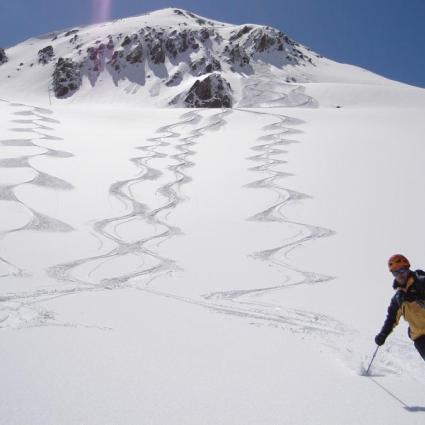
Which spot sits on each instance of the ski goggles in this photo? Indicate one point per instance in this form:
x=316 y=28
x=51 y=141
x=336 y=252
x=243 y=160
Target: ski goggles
x=400 y=271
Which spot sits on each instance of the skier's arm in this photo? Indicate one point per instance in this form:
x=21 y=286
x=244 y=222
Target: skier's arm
x=392 y=320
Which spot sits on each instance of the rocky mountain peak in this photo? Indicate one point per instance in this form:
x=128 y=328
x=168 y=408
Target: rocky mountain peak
x=170 y=49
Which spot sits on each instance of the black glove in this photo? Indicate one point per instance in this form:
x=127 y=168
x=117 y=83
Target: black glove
x=380 y=339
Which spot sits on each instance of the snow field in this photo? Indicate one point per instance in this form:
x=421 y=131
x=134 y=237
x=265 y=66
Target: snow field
x=204 y=266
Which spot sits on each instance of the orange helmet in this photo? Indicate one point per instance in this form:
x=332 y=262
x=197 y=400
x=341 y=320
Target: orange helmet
x=398 y=261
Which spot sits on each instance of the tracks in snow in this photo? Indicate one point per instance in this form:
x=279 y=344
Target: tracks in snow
x=80 y=275
x=144 y=248
x=35 y=118
x=266 y=90
x=173 y=147
x=37 y=125
x=241 y=302
x=266 y=154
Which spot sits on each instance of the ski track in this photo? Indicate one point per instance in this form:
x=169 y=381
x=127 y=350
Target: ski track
x=36 y=220
x=245 y=303
x=265 y=90
x=239 y=302
x=24 y=309
x=307 y=233
x=122 y=191
x=26 y=313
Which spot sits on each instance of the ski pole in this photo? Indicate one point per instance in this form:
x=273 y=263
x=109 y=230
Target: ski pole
x=373 y=358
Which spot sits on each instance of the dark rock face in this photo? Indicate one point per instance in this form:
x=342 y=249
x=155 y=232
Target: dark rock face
x=135 y=55
x=92 y=53
x=180 y=41
x=126 y=42
x=238 y=56
x=176 y=43
x=212 y=65
x=110 y=45
x=245 y=30
x=175 y=79
x=66 y=77
x=72 y=32
x=74 y=39
x=212 y=92
x=205 y=34
x=205 y=66
x=116 y=60
x=3 y=56
x=263 y=41
x=45 y=55
x=247 y=43
x=95 y=57
x=157 y=53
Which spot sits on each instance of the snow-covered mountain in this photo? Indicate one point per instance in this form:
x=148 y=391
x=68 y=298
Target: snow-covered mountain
x=170 y=57
x=203 y=266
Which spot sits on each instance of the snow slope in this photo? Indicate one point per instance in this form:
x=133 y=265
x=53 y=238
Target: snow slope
x=209 y=266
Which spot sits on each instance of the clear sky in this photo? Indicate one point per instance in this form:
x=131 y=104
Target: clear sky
x=384 y=36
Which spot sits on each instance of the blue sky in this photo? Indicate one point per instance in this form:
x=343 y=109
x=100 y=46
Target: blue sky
x=384 y=36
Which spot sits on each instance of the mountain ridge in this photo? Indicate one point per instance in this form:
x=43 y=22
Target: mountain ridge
x=164 y=56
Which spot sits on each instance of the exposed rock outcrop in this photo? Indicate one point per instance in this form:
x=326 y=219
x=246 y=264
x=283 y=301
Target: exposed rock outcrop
x=238 y=56
x=3 y=56
x=157 y=53
x=174 y=80
x=238 y=34
x=126 y=42
x=205 y=66
x=116 y=60
x=180 y=41
x=71 y=32
x=110 y=45
x=135 y=55
x=45 y=55
x=66 y=77
x=248 y=43
x=212 y=92
x=95 y=57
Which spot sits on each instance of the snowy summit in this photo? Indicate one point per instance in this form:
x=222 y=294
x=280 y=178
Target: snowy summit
x=168 y=57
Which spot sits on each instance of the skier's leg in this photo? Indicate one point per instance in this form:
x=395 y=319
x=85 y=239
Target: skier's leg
x=420 y=346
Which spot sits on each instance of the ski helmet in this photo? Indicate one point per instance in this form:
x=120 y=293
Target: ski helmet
x=398 y=261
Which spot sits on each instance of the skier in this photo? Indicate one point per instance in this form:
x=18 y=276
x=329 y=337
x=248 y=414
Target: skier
x=408 y=301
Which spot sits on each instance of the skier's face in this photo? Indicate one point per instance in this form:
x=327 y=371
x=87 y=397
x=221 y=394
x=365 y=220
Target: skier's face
x=401 y=275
